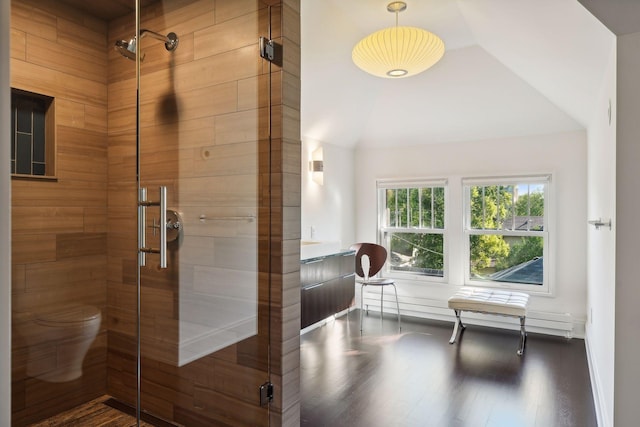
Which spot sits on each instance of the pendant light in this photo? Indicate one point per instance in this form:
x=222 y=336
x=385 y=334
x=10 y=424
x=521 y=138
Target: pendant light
x=397 y=52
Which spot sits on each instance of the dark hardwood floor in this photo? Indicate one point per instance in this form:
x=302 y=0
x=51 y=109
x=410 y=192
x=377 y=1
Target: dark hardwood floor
x=416 y=378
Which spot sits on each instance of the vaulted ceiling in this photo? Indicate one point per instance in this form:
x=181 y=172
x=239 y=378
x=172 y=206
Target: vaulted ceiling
x=511 y=68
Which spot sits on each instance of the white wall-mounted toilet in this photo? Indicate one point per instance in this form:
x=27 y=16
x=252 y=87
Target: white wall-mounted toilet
x=59 y=340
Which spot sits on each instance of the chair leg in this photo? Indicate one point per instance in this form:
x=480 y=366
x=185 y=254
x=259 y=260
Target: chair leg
x=458 y=325
x=397 y=307
x=361 y=303
x=523 y=336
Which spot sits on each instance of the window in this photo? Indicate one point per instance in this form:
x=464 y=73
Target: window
x=32 y=134
x=411 y=219
x=506 y=232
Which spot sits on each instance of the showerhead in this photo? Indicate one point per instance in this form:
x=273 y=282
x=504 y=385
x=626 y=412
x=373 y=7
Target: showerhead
x=128 y=49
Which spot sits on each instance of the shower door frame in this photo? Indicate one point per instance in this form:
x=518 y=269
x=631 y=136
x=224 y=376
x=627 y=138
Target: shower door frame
x=264 y=393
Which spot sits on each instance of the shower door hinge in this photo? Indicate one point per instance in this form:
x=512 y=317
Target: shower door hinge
x=271 y=51
x=266 y=393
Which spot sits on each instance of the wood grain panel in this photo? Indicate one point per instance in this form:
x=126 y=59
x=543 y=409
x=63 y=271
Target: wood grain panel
x=59 y=226
x=250 y=125
x=189 y=134
x=121 y=321
x=61 y=10
x=33 y=248
x=122 y=93
x=18 y=44
x=122 y=121
x=39 y=79
x=71 y=245
x=95 y=118
x=122 y=295
x=18 y=281
x=35 y=219
x=95 y=220
x=229 y=35
x=229 y=66
x=65 y=59
x=47 y=300
x=70 y=113
x=74 y=194
x=33 y=20
x=89 y=270
x=181 y=16
x=217 y=160
x=92 y=33
x=251 y=93
x=226 y=10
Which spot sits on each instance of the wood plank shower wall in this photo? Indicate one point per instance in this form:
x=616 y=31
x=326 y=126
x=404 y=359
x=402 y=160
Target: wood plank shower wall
x=73 y=238
x=59 y=233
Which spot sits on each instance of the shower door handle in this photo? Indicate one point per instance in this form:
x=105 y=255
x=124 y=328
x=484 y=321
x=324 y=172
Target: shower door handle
x=143 y=203
x=163 y=227
x=142 y=226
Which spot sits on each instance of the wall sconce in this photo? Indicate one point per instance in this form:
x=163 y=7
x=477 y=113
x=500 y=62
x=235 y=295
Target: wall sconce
x=316 y=166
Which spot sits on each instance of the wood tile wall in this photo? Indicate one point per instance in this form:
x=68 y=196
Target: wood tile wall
x=205 y=122
x=59 y=241
x=75 y=238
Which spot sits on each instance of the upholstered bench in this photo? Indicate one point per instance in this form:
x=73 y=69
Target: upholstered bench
x=490 y=301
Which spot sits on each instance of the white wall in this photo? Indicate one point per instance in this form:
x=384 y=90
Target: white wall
x=601 y=252
x=627 y=275
x=564 y=155
x=328 y=208
x=5 y=224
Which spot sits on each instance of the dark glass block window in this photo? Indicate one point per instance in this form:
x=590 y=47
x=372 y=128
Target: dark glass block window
x=28 y=132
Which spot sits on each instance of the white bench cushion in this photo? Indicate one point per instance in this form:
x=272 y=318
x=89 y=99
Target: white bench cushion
x=490 y=301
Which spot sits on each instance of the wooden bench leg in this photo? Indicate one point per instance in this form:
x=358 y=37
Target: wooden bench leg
x=458 y=325
x=523 y=336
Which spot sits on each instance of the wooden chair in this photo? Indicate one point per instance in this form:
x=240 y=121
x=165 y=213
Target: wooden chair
x=377 y=256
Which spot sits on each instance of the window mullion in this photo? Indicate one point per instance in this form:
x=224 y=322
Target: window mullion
x=528 y=207
x=408 y=207
x=484 y=209
x=420 y=210
x=397 y=215
x=433 y=209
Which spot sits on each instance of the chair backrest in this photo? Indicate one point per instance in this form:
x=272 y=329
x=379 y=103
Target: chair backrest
x=377 y=257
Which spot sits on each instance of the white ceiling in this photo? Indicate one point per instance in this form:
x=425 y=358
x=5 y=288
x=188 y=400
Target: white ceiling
x=511 y=68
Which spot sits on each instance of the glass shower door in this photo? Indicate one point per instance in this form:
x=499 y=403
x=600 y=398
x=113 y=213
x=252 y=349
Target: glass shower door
x=203 y=139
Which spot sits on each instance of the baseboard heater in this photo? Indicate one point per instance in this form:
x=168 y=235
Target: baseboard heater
x=558 y=324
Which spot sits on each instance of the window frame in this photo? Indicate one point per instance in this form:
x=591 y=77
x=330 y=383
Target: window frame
x=546 y=233
x=384 y=232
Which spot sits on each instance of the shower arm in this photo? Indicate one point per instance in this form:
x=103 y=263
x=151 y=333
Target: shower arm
x=170 y=40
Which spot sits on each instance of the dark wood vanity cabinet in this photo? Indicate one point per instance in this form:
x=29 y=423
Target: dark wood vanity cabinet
x=327 y=286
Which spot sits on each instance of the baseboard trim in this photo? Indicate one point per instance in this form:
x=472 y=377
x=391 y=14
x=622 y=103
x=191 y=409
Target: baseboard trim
x=602 y=416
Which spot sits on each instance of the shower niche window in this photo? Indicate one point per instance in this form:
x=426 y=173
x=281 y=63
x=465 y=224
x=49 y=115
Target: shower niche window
x=32 y=134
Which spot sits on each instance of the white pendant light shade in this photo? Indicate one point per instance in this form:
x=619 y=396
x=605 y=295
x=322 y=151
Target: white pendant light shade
x=398 y=51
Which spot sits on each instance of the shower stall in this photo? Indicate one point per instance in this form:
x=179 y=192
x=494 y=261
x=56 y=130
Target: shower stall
x=147 y=235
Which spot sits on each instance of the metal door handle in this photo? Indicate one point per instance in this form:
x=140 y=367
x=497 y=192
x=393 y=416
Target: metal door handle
x=163 y=227
x=143 y=203
x=142 y=226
